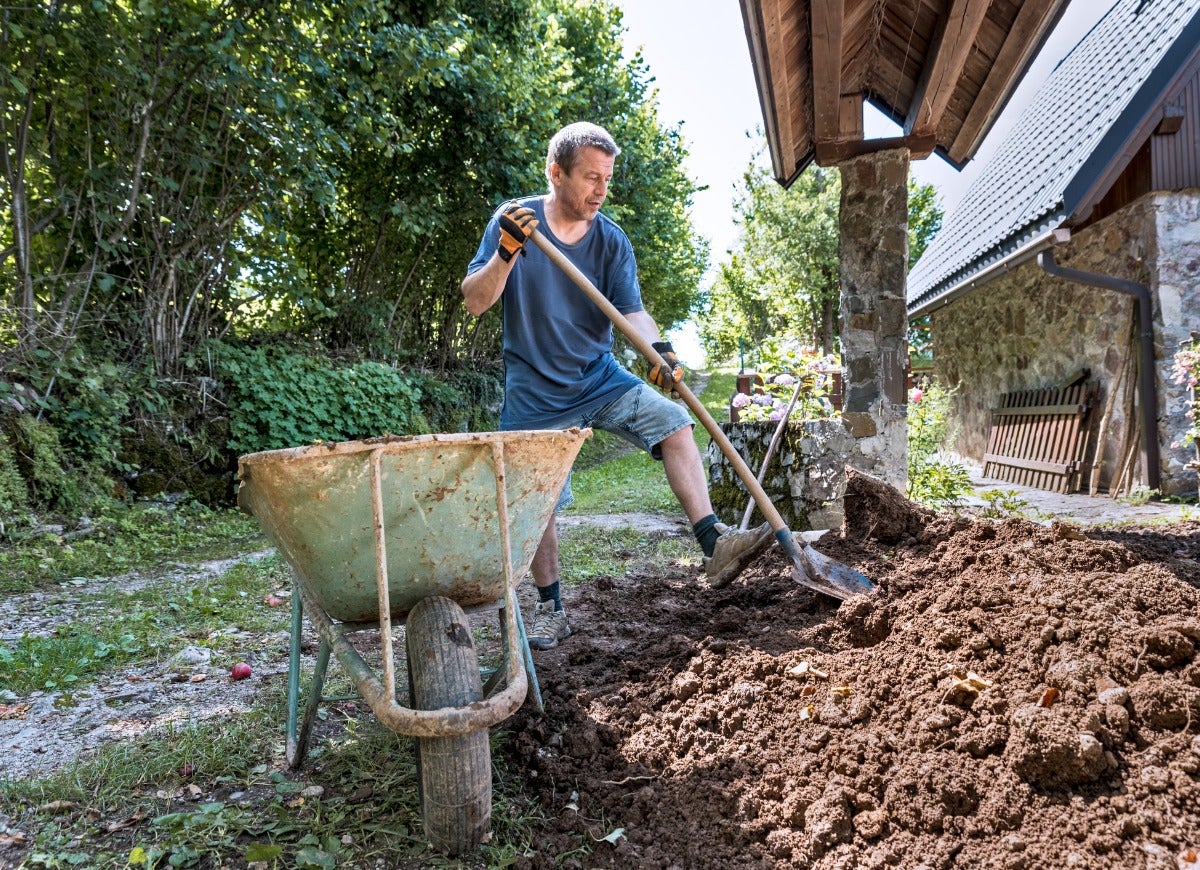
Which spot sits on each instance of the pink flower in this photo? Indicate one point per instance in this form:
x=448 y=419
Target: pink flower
x=741 y=400
x=915 y=394
x=785 y=380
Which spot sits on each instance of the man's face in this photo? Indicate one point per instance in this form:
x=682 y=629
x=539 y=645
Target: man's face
x=582 y=191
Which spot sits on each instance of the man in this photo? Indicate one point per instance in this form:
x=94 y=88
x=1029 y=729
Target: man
x=559 y=368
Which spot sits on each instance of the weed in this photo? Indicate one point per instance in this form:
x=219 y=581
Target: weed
x=1002 y=503
x=1140 y=495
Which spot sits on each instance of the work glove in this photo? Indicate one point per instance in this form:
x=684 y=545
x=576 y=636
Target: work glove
x=516 y=223
x=665 y=377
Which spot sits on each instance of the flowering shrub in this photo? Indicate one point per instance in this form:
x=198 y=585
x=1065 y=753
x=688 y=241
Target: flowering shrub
x=1186 y=372
x=813 y=403
x=933 y=479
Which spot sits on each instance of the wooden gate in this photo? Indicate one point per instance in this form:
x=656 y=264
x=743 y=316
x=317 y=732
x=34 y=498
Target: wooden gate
x=1038 y=436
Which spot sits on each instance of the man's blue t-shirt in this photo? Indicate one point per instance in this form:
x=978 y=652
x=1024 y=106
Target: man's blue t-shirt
x=557 y=344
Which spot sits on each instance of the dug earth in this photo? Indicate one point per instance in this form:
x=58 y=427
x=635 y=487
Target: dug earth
x=1013 y=695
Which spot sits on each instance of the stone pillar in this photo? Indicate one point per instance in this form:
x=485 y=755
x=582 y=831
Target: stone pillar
x=874 y=269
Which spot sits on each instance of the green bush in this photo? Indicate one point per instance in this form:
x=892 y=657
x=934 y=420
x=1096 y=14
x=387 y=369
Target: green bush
x=48 y=480
x=281 y=398
x=87 y=401
x=932 y=480
x=463 y=401
x=14 y=498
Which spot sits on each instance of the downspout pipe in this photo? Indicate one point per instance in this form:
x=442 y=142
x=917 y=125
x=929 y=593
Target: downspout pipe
x=1146 y=366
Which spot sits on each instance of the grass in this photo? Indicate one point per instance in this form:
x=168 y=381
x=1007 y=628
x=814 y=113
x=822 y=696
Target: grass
x=113 y=627
x=123 y=541
x=587 y=554
x=611 y=477
x=219 y=793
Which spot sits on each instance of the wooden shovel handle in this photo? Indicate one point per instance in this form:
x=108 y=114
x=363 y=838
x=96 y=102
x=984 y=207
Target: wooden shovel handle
x=647 y=350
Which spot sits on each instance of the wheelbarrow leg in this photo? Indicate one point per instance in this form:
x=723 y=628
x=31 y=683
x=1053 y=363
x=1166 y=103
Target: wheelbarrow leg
x=535 y=691
x=299 y=731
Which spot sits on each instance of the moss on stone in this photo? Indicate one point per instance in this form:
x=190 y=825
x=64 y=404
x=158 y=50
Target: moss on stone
x=162 y=462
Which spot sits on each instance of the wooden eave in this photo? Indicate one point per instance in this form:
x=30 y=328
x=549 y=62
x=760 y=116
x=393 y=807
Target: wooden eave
x=942 y=69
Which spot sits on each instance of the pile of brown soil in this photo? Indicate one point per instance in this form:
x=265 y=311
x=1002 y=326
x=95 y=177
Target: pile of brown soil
x=1012 y=695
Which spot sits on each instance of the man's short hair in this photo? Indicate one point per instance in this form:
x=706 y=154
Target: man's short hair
x=570 y=140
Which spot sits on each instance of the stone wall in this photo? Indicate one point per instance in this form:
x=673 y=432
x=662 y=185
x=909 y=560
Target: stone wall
x=874 y=263
x=1175 y=254
x=1026 y=330
x=806 y=480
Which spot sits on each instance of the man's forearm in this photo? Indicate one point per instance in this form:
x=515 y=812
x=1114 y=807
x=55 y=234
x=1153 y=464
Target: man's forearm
x=644 y=324
x=481 y=289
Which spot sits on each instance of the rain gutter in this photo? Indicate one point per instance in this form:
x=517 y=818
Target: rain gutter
x=1145 y=323
x=1017 y=258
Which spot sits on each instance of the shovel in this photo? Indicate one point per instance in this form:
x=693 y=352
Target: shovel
x=809 y=568
x=762 y=472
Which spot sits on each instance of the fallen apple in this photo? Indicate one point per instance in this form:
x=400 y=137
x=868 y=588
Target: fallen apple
x=240 y=671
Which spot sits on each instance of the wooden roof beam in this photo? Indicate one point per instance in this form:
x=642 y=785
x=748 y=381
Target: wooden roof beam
x=833 y=153
x=951 y=46
x=1015 y=54
x=763 y=22
x=826 y=23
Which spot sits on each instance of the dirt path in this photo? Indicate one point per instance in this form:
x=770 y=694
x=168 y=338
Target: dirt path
x=45 y=730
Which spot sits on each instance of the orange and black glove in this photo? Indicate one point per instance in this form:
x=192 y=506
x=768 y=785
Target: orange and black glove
x=665 y=377
x=516 y=223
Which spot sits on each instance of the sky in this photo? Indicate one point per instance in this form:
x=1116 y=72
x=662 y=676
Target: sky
x=697 y=52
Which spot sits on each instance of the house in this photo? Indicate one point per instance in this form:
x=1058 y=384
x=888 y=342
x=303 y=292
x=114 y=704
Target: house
x=1077 y=249
x=943 y=70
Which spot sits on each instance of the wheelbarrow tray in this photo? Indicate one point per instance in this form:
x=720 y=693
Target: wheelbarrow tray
x=437 y=497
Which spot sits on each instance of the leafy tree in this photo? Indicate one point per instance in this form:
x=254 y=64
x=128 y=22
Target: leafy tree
x=924 y=221
x=924 y=218
x=176 y=172
x=783 y=279
x=137 y=140
x=462 y=104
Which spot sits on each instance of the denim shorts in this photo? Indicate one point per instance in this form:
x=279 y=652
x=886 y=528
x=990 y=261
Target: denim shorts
x=641 y=415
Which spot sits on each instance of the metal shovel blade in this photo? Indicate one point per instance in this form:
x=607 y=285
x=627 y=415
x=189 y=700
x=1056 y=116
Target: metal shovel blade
x=822 y=574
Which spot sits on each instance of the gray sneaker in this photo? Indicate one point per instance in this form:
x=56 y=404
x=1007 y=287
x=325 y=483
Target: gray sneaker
x=735 y=550
x=549 y=626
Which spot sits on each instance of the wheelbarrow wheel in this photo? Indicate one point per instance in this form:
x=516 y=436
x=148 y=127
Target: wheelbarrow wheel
x=455 y=773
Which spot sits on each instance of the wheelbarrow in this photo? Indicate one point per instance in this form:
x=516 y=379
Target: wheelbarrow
x=417 y=531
